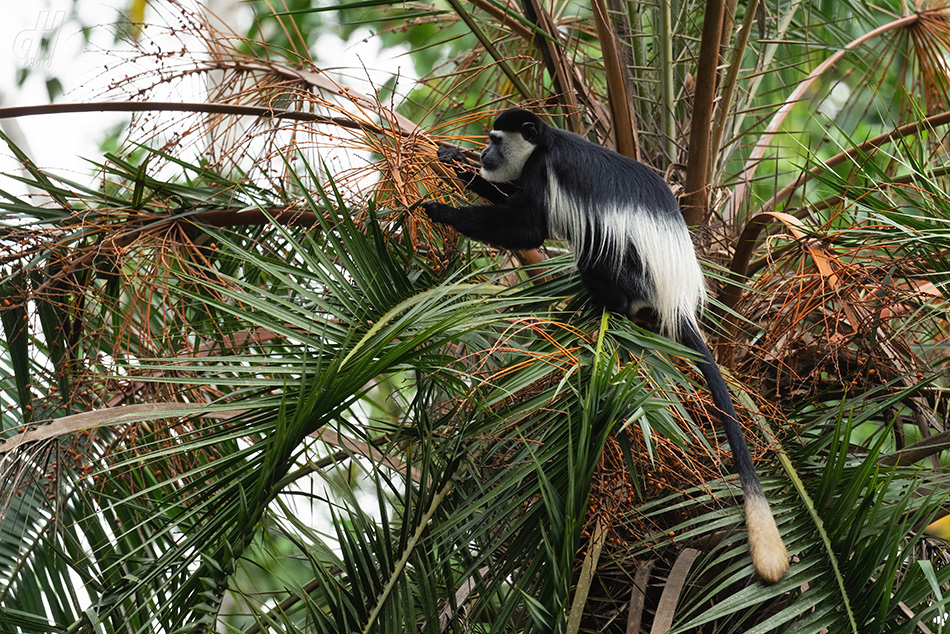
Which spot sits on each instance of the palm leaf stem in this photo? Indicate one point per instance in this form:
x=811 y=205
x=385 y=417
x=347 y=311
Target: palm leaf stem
x=526 y=93
x=172 y=106
x=667 y=88
x=809 y=505
x=730 y=83
x=695 y=202
x=623 y=120
x=597 y=540
x=556 y=63
x=396 y=573
x=763 y=141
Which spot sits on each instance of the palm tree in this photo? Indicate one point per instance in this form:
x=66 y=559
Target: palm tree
x=247 y=387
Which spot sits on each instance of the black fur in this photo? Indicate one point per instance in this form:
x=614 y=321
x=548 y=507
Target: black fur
x=519 y=218
x=600 y=194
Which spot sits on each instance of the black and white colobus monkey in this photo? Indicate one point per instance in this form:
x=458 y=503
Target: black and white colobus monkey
x=632 y=249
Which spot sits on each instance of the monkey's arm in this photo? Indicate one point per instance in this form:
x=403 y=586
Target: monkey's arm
x=467 y=172
x=513 y=225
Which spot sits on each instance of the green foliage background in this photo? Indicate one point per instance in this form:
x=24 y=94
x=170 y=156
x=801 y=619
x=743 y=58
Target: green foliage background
x=246 y=386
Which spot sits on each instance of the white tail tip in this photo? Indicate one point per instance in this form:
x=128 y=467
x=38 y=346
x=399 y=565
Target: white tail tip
x=768 y=552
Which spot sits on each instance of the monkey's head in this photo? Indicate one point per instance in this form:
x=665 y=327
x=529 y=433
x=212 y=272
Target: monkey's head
x=510 y=144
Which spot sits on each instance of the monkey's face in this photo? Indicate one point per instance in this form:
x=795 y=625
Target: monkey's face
x=505 y=156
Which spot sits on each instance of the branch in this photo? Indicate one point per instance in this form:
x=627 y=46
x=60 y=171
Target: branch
x=624 y=129
x=213 y=108
x=730 y=83
x=696 y=198
x=917 y=451
x=545 y=39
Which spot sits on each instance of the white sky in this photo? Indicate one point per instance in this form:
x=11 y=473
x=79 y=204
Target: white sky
x=55 y=141
x=60 y=143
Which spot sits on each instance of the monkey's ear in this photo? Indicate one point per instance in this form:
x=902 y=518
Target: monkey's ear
x=530 y=132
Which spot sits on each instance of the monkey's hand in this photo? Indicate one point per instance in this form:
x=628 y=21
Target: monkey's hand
x=450 y=155
x=438 y=212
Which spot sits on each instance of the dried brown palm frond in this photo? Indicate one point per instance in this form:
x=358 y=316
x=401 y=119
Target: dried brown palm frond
x=834 y=320
x=926 y=43
x=348 y=130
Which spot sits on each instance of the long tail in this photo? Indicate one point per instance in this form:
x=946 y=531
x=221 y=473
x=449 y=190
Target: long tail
x=765 y=543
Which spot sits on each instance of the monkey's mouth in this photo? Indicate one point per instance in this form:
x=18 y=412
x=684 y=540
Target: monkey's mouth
x=488 y=169
x=488 y=163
